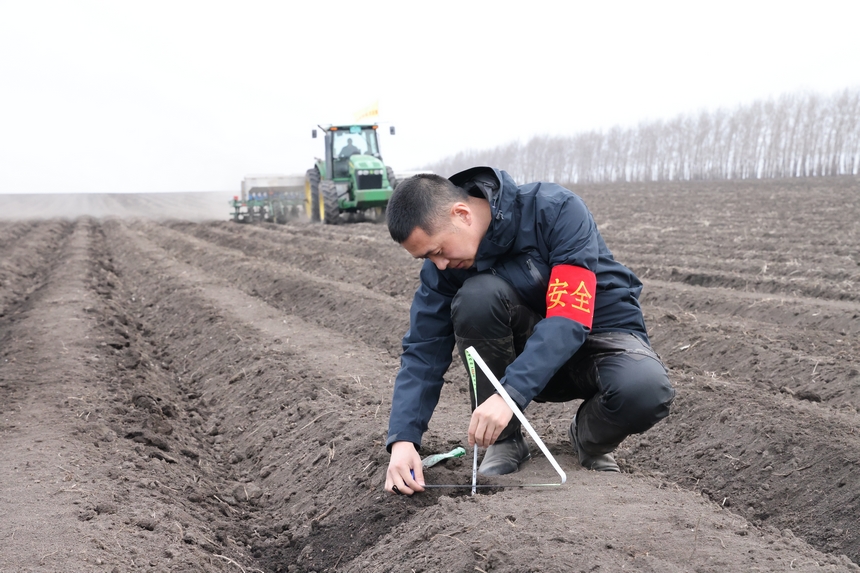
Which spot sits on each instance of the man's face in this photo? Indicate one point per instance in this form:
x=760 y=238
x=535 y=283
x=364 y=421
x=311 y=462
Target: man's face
x=453 y=246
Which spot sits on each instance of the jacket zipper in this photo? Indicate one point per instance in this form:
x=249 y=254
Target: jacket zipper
x=535 y=273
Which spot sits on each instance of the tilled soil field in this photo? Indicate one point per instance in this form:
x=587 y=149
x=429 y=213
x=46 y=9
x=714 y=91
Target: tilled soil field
x=207 y=396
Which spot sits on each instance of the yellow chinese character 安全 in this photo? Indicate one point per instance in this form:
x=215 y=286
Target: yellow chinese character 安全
x=582 y=297
x=555 y=292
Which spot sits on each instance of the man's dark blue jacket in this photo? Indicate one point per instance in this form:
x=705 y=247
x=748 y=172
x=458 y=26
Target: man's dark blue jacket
x=534 y=227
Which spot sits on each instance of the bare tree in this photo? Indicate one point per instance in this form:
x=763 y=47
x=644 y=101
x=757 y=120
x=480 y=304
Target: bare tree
x=796 y=135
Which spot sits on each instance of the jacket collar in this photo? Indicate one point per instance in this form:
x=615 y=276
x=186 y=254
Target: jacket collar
x=499 y=188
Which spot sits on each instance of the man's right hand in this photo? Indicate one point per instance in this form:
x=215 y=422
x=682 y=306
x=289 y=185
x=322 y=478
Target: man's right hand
x=399 y=478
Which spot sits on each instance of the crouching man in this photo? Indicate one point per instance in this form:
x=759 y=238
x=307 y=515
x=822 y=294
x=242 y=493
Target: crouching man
x=522 y=274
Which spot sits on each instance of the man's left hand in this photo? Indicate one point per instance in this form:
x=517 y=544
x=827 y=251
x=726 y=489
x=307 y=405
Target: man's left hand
x=488 y=421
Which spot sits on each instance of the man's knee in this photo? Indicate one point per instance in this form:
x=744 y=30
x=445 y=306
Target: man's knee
x=642 y=394
x=481 y=308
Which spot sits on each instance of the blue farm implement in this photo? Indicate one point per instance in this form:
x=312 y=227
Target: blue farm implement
x=268 y=198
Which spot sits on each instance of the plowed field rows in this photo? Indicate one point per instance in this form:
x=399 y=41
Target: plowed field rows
x=206 y=396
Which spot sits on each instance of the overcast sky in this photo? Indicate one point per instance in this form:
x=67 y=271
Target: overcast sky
x=121 y=96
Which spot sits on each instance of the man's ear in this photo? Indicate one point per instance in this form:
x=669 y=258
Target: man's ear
x=461 y=211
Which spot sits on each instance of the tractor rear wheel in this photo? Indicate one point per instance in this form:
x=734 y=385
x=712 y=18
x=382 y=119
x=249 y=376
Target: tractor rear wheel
x=312 y=195
x=330 y=211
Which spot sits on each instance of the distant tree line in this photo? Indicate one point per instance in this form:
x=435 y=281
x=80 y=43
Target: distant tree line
x=798 y=135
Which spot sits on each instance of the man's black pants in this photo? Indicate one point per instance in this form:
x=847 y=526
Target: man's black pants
x=623 y=383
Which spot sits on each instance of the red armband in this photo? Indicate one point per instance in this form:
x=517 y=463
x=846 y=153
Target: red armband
x=571 y=294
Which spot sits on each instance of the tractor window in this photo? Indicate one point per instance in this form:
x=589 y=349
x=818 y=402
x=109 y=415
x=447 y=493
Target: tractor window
x=346 y=144
x=370 y=142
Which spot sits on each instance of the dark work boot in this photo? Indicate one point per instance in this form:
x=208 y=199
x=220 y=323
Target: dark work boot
x=598 y=462
x=505 y=457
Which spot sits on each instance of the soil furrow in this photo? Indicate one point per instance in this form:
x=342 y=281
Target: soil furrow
x=838 y=317
x=815 y=286
x=313 y=536
x=46 y=468
x=714 y=334
x=370 y=315
x=69 y=498
x=767 y=405
x=382 y=267
x=775 y=460
x=32 y=251
x=14 y=233
x=214 y=397
x=834 y=273
x=803 y=347
x=242 y=352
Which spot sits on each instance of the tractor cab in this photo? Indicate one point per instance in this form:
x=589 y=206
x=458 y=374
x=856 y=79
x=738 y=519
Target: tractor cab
x=345 y=141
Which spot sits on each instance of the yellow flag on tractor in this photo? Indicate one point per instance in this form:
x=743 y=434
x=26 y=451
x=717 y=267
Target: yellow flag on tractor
x=369 y=113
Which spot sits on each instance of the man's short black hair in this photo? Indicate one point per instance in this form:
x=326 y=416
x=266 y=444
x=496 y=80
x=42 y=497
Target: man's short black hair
x=421 y=202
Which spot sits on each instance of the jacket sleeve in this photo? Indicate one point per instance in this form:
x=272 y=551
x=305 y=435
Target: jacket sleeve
x=568 y=234
x=427 y=352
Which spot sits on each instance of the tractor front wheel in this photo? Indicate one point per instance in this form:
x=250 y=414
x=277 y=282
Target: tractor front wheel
x=329 y=209
x=392 y=180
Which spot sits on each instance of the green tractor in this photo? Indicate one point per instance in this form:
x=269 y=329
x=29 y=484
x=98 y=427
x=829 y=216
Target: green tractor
x=351 y=183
